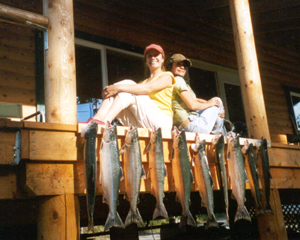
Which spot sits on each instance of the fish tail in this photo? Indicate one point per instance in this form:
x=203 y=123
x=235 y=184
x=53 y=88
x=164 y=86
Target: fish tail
x=134 y=217
x=269 y=209
x=259 y=211
x=212 y=222
x=242 y=214
x=226 y=224
x=227 y=215
x=187 y=219
x=113 y=220
x=91 y=224
x=160 y=210
x=183 y=221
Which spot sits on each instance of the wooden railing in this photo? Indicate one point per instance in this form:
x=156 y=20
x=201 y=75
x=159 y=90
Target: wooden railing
x=52 y=160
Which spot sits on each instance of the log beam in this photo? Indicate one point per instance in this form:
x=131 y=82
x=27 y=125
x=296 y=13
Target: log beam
x=22 y=16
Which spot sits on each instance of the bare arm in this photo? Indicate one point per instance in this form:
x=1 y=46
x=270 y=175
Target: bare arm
x=196 y=105
x=138 y=89
x=200 y=100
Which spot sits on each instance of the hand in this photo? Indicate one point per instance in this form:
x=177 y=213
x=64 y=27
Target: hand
x=214 y=102
x=110 y=91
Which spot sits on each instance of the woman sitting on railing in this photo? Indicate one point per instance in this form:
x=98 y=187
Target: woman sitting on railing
x=193 y=114
x=145 y=105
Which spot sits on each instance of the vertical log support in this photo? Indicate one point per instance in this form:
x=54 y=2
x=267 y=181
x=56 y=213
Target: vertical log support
x=254 y=105
x=58 y=218
x=59 y=215
x=60 y=73
x=251 y=87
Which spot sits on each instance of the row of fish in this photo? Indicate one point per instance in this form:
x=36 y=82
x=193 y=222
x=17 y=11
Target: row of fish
x=111 y=174
x=241 y=170
x=258 y=171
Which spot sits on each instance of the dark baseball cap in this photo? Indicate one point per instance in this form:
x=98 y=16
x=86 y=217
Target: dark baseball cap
x=180 y=58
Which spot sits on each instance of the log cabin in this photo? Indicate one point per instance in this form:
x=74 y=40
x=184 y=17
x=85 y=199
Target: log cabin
x=58 y=55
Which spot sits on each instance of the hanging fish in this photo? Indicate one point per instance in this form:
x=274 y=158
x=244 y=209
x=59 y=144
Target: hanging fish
x=183 y=176
x=264 y=171
x=110 y=175
x=133 y=173
x=218 y=145
x=158 y=172
x=204 y=180
x=90 y=165
x=237 y=175
x=250 y=166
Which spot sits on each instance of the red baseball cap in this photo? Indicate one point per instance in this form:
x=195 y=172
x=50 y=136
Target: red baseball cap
x=156 y=47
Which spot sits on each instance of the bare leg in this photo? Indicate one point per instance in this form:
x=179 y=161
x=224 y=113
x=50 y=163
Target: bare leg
x=104 y=112
x=104 y=109
x=110 y=110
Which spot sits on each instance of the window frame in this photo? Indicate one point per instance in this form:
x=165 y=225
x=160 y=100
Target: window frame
x=223 y=75
x=103 y=49
x=289 y=93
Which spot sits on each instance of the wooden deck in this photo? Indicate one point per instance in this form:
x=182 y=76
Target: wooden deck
x=52 y=160
x=52 y=164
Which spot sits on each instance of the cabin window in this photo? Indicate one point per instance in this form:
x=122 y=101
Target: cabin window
x=203 y=83
x=88 y=74
x=236 y=108
x=208 y=80
x=293 y=100
x=98 y=66
x=123 y=66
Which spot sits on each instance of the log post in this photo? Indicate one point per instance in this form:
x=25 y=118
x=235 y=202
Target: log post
x=58 y=218
x=273 y=226
x=59 y=215
x=251 y=87
x=60 y=73
x=254 y=105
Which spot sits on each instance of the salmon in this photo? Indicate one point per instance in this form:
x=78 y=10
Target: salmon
x=90 y=166
x=157 y=171
x=218 y=145
x=133 y=173
x=183 y=176
x=251 y=171
x=264 y=172
x=237 y=175
x=110 y=175
x=204 y=180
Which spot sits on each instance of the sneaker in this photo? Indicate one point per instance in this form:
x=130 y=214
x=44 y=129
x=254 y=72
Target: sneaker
x=97 y=121
x=92 y=120
x=89 y=120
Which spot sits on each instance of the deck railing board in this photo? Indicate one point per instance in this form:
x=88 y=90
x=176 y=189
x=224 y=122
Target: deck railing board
x=55 y=168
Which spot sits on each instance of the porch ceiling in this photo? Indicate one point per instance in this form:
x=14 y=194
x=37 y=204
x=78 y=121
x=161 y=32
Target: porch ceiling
x=277 y=21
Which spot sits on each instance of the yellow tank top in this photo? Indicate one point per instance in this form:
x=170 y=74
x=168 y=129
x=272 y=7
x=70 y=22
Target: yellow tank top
x=163 y=98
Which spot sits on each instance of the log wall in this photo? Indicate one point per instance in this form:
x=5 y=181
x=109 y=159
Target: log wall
x=199 y=34
x=17 y=66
